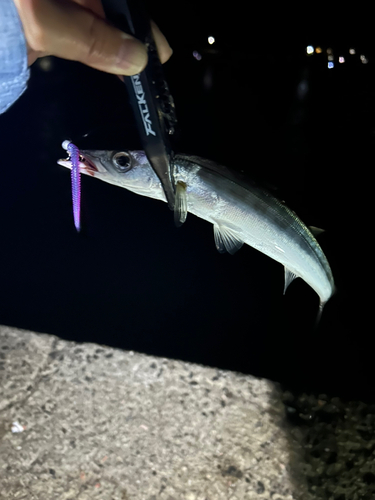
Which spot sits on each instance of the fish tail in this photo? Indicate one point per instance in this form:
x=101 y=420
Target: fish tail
x=320 y=312
x=322 y=303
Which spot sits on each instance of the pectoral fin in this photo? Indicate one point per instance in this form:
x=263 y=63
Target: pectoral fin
x=180 y=206
x=226 y=240
x=289 y=277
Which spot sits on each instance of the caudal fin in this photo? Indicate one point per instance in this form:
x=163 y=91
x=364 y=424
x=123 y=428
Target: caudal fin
x=320 y=312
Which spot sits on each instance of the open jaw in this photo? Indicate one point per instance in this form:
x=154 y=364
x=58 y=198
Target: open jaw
x=86 y=166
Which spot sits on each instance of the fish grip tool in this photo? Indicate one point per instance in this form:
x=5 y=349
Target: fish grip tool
x=148 y=91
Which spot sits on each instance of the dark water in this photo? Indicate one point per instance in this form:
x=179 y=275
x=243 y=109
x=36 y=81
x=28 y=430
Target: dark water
x=255 y=101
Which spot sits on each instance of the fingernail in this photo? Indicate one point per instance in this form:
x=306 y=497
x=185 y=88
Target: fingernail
x=132 y=56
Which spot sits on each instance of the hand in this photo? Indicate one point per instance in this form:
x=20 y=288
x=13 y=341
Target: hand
x=77 y=30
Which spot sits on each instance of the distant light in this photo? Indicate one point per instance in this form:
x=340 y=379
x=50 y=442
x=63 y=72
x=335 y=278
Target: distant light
x=341 y=59
x=330 y=57
x=211 y=40
x=309 y=49
x=197 y=55
x=363 y=59
x=352 y=51
x=318 y=50
x=329 y=50
x=330 y=65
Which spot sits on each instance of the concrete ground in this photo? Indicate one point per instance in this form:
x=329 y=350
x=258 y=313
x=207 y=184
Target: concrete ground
x=84 y=421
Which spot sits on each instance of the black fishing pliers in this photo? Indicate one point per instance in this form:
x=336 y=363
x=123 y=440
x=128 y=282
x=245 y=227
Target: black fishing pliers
x=148 y=92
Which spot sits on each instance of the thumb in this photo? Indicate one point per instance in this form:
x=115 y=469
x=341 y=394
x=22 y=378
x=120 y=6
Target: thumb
x=67 y=30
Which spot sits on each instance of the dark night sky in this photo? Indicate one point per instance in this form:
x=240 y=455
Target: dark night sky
x=256 y=102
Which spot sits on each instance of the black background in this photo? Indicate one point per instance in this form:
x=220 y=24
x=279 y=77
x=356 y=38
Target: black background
x=255 y=101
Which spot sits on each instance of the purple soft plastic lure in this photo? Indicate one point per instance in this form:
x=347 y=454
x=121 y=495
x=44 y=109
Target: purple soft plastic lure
x=76 y=181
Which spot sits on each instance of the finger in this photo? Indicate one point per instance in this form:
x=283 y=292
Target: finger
x=164 y=49
x=93 y=5
x=162 y=45
x=67 y=30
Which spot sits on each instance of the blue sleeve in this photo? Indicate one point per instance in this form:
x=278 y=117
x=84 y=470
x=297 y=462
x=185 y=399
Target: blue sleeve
x=14 y=72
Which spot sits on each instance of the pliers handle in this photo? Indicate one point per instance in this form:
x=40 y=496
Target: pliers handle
x=152 y=103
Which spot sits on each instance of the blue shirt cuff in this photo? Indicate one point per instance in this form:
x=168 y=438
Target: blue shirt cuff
x=14 y=72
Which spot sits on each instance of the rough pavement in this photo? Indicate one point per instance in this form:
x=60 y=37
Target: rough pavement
x=83 y=421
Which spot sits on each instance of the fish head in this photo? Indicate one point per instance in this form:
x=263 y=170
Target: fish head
x=128 y=169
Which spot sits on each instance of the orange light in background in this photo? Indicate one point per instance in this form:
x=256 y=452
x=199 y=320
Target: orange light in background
x=318 y=50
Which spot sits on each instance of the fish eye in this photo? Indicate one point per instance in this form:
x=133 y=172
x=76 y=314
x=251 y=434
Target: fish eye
x=122 y=161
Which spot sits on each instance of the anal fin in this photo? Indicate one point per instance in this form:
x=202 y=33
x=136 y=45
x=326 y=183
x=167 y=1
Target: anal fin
x=226 y=239
x=289 y=277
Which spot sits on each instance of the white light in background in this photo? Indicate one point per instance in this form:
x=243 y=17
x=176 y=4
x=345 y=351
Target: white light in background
x=330 y=57
x=330 y=65
x=352 y=51
x=211 y=40
x=341 y=59
x=309 y=49
x=197 y=55
x=363 y=59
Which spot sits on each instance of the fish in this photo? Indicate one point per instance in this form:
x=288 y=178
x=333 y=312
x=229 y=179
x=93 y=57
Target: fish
x=241 y=211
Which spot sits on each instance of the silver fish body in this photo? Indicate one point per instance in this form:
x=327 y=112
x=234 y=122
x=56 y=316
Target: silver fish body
x=240 y=211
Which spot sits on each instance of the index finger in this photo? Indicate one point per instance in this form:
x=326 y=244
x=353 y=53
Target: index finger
x=68 y=30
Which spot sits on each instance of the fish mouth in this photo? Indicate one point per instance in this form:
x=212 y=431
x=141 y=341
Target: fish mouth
x=86 y=165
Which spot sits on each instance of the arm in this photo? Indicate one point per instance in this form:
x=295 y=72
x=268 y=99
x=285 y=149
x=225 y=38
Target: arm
x=71 y=29
x=14 y=72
